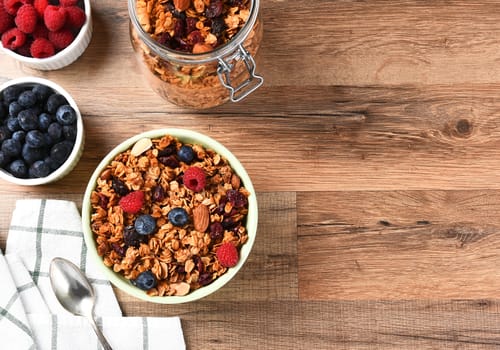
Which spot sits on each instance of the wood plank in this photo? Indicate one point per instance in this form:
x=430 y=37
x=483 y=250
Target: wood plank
x=399 y=245
x=424 y=324
x=372 y=138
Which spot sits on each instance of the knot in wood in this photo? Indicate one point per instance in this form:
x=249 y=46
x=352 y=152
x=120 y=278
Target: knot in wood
x=464 y=127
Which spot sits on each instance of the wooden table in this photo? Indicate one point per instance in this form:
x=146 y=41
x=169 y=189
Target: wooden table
x=374 y=147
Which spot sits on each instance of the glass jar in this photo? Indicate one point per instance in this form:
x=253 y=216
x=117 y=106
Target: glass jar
x=200 y=80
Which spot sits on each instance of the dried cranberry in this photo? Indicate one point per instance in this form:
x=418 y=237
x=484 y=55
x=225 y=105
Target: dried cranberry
x=103 y=201
x=170 y=161
x=179 y=28
x=119 y=249
x=214 y=9
x=236 y=198
x=158 y=193
x=205 y=279
x=131 y=238
x=168 y=151
x=165 y=39
x=180 y=269
x=228 y=223
x=195 y=37
x=220 y=208
x=216 y=231
x=218 y=26
x=119 y=187
x=190 y=24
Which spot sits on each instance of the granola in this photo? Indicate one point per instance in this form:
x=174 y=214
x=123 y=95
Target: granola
x=193 y=31
x=182 y=258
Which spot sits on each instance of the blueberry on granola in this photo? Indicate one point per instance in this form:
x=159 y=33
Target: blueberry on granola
x=178 y=217
x=145 y=224
x=145 y=281
x=185 y=154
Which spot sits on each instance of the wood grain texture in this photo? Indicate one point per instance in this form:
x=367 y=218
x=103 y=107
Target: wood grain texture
x=374 y=148
x=399 y=245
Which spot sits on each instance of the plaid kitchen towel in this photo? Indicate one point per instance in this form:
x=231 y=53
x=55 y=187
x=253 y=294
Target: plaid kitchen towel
x=30 y=315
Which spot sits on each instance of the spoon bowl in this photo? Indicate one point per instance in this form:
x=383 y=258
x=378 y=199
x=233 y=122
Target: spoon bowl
x=74 y=292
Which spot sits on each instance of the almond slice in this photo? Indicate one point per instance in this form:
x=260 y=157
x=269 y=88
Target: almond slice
x=141 y=146
x=181 y=288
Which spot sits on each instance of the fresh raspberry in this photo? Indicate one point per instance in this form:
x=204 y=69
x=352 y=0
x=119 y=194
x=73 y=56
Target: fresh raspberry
x=132 y=202
x=42 y=48
x=40 y=31
x=68 y=3
x=194 y=179
x=11 y=6
x=26 y=18
x=25 y=49
x=227 y=255
x=40 y=6
x=13 y=39
x=75 y=17
x=62 y=38
x=6 y=20
x=54 y=17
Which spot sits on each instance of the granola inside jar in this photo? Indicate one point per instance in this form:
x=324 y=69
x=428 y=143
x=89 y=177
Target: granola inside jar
x=197 y=53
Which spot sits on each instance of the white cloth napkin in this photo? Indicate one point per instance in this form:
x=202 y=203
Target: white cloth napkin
x=30 y=315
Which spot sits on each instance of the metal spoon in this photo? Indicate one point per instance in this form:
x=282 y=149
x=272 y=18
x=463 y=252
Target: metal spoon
x=74 y=292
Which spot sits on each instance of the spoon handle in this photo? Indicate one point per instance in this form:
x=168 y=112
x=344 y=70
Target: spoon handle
x=100 y=336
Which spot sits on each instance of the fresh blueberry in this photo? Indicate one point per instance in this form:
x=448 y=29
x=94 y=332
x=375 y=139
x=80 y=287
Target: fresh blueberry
x=145 y=224
x=14 y=109
x=54 y=102
x=42 y=92
x=131 y=238
x=28 y=119
x=66 y=115
x=185 y=154
x=55 y=131
x=11 y=93
x=145 y=281
x=39 y=169
x=60 y=152
x=13 y=124
x=27 y=99
x=35 y=139
x=31 y=155
x=50 y=162
x=178 y=217
x=4 y=133
x=19 y=135
x=18 y=168
x=11 y=148
x=44 y=121
x=4 y=159
x=69 y=132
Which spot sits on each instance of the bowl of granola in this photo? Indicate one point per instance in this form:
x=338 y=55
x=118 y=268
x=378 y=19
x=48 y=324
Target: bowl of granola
x=170 y=216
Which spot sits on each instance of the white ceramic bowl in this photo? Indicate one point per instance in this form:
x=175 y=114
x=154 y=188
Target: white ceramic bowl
x=64 y=57
x=76 y=153
x=186 y=136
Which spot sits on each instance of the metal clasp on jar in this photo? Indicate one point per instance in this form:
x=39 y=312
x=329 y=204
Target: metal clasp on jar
x=249 y=85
